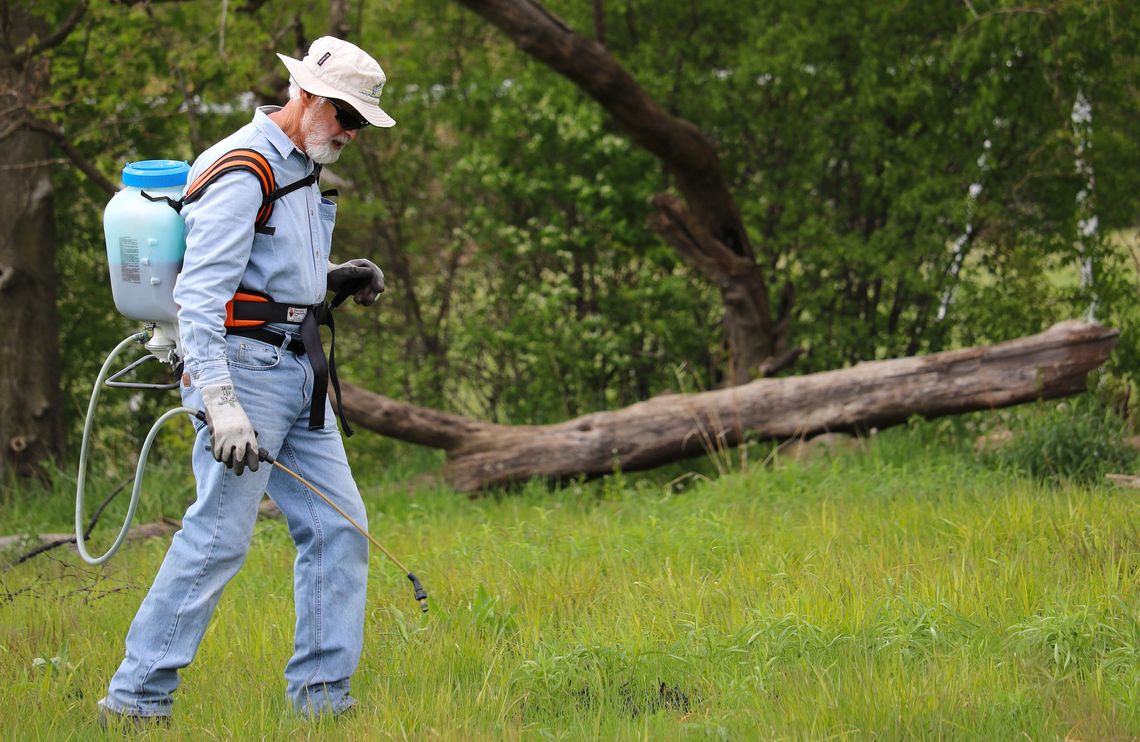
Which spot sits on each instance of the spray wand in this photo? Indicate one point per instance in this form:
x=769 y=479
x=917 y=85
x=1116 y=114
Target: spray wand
x=263 y=455
x=421 y=594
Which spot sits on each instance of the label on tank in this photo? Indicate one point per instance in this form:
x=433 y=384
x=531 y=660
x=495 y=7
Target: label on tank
x=129 y=255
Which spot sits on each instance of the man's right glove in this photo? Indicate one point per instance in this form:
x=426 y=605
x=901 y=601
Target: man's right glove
x=232 y=437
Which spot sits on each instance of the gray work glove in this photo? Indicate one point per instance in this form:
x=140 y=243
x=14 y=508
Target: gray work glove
x=232 y=438
x=361 y=276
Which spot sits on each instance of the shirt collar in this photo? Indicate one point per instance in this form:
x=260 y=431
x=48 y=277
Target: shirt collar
x=280 y=141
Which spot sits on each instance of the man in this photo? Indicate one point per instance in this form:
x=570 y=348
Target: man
x=258 y=388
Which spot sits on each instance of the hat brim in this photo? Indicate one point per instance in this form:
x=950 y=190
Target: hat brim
x=309 y=82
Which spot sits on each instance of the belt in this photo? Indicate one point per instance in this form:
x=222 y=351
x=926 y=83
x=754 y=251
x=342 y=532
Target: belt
x=273 y=337
x=262 y=309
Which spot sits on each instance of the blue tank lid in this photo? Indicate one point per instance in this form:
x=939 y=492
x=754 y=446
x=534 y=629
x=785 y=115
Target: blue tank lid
x=155 y=173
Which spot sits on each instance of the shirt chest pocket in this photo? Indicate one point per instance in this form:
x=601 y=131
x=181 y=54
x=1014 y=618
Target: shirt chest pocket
x=326 y=210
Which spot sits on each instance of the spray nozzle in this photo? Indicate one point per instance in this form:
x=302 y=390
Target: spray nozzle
x=421 y=594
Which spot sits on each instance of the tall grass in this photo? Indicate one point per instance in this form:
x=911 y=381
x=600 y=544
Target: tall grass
x=903 y=591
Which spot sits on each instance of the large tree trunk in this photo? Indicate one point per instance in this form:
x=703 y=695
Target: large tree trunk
x=31 y=407
x=709 y=234
x=1052 y=364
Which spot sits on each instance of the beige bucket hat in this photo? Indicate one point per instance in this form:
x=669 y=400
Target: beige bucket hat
x=335 y=68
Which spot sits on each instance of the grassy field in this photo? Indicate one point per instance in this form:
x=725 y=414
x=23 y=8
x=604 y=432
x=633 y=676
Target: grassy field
x=900 y=591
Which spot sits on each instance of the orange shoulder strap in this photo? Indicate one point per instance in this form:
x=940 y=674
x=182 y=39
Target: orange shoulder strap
x=240 y=159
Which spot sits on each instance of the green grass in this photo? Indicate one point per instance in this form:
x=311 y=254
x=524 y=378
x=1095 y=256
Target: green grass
x=902 y=592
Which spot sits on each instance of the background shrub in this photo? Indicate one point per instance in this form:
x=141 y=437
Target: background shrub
x=1079 y=440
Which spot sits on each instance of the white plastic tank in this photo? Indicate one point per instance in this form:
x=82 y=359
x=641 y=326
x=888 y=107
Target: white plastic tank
x=146 y=239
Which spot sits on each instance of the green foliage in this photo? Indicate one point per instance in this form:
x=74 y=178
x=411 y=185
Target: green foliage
x=575 y=307
x=1078 y=440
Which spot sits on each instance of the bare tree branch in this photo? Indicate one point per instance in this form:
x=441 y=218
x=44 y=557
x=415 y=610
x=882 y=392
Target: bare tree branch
x=73 y=153
x=779 y=362
x=410 y=423
x=748 y=323
x=86 y=533
x=11 y=125
x=32 y=48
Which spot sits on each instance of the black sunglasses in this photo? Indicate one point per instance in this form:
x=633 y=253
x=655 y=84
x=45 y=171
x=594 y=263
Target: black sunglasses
x=346 y=116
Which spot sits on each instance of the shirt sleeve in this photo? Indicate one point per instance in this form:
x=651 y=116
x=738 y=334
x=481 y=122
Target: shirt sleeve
x=219 y=238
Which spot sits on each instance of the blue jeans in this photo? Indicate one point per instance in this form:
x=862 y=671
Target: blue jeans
x=330 y=574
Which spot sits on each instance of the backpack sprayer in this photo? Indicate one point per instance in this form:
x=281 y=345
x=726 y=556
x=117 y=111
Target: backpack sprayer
x=145 y=245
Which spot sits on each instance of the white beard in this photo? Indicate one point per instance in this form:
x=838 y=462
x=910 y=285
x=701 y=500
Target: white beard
x=322 y=152
x=318 y=145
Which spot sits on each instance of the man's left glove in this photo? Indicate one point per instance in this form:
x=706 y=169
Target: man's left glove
x=359 y=275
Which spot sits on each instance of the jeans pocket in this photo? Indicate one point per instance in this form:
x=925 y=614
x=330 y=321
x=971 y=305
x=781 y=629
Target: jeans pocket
x=253 y=355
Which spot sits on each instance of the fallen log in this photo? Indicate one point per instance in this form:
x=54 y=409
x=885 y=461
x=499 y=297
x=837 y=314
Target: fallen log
x=1124 y=480
x=1052 y=364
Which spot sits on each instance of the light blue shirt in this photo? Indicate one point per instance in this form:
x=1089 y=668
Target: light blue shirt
x=223 y=252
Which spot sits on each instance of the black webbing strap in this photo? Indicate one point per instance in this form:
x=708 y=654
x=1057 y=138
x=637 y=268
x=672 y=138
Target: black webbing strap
x=327 y=317
x=172 y=203
x=251 y=161
x=324 y=368
x=308 y=180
